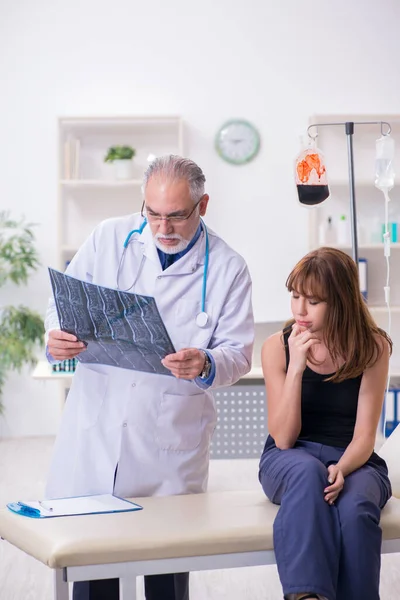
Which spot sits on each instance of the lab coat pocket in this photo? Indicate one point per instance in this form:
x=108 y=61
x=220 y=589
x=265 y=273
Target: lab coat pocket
x=90 y=387
x=180 y=421
x=190 y=333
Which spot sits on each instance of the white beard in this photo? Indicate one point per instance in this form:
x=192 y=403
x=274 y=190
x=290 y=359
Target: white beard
x=179 y=247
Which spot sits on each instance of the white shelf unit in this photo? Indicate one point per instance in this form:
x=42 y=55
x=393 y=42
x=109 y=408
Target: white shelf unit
x=376 y=246
x=88 y=189
x=370 y=205
x=99 y=184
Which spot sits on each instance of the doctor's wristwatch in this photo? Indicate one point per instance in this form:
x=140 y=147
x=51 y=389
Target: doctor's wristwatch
x=207 y=367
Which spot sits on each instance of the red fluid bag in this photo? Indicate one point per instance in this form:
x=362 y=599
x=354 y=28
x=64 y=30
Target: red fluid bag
x=311 y=180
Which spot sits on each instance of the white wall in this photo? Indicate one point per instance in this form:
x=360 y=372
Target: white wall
x=274 y=63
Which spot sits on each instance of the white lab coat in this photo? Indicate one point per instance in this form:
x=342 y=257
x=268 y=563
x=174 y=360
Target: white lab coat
x=156 y=428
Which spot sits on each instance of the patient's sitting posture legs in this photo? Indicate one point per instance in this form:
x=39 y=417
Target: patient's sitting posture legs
x=322 y=550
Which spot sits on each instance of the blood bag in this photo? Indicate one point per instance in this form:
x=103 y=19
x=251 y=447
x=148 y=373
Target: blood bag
x=311 y=180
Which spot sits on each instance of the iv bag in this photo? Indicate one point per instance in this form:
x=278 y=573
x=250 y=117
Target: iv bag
x=384 y=163
x=311 y=180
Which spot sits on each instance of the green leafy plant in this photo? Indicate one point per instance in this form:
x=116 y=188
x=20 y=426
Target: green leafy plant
x=119 y=153
x=21 y=329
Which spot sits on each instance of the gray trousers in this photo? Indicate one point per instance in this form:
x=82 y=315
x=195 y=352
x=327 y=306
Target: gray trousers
x=157 y=587
x=332 y=550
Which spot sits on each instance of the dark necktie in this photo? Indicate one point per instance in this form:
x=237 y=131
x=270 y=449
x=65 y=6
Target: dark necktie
x=169 y=259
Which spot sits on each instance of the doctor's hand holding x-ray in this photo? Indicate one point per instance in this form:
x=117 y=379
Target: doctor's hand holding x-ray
x=185 y=364
x=139 y=434
x=188 y=363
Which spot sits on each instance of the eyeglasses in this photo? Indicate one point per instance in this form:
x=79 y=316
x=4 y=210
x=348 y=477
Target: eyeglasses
x=154 y=218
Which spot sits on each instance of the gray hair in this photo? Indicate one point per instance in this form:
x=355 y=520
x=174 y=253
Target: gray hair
x=173 y=167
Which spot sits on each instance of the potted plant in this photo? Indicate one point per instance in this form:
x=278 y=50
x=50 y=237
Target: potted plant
x=21 y=329
x=121 y=157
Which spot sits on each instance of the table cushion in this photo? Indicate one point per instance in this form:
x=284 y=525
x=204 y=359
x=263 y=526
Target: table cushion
x=168 y=527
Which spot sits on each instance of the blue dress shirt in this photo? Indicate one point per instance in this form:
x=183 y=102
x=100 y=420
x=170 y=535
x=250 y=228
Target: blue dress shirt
x=167 y=260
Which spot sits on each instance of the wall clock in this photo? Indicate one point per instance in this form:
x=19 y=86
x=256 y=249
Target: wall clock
x=237 y=141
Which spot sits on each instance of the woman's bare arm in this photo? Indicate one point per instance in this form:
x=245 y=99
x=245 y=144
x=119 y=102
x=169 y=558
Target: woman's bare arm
x=284 y=389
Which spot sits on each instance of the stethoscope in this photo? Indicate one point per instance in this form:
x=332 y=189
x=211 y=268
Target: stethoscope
x=202 y=317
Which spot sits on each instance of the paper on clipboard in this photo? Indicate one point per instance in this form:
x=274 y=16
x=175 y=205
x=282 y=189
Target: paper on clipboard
x=82 y=505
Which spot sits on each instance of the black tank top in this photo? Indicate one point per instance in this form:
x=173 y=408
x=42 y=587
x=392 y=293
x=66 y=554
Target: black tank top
x=328 y=410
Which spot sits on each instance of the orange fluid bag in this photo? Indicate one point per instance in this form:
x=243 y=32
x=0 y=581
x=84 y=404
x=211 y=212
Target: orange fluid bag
x=311 y=180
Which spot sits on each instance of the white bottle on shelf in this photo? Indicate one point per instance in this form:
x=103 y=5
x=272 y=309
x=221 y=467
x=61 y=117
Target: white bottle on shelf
x=363 y=276
x=343 y=231
x=375 y=230
x=361 y=233
x=326 y=233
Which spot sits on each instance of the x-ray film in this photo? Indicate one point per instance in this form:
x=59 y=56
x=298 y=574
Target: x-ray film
x=120 y=329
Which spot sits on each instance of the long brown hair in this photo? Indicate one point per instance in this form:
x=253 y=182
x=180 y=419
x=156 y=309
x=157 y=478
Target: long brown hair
x=350 y=333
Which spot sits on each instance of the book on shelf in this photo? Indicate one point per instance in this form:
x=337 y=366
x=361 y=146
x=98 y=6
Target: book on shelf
x=77 y=149
x=66 y=366
x=72 y=147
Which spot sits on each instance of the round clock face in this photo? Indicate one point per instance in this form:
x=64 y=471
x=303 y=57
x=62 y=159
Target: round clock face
x=237 y=142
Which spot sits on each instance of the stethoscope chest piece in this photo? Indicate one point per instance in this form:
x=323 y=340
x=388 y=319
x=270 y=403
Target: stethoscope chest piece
x=202 y=319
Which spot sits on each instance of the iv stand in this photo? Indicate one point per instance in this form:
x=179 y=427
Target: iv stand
x=349 y=130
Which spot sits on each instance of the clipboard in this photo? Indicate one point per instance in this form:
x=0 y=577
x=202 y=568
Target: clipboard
x=80 y=505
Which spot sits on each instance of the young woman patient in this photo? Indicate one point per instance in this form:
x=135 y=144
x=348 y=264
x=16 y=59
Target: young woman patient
x=325 y=377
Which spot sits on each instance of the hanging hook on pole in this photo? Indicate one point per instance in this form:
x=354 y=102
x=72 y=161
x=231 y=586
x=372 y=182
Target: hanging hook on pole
x=386 y=128
x=382 y=124
x=312 y=137
x=316 y=125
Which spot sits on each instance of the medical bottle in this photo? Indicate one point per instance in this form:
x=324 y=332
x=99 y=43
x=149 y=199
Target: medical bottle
x=363 y=276
x=326 y=233
x=343 y=232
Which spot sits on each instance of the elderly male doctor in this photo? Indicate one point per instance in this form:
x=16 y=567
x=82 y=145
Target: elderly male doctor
x=142 y=434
